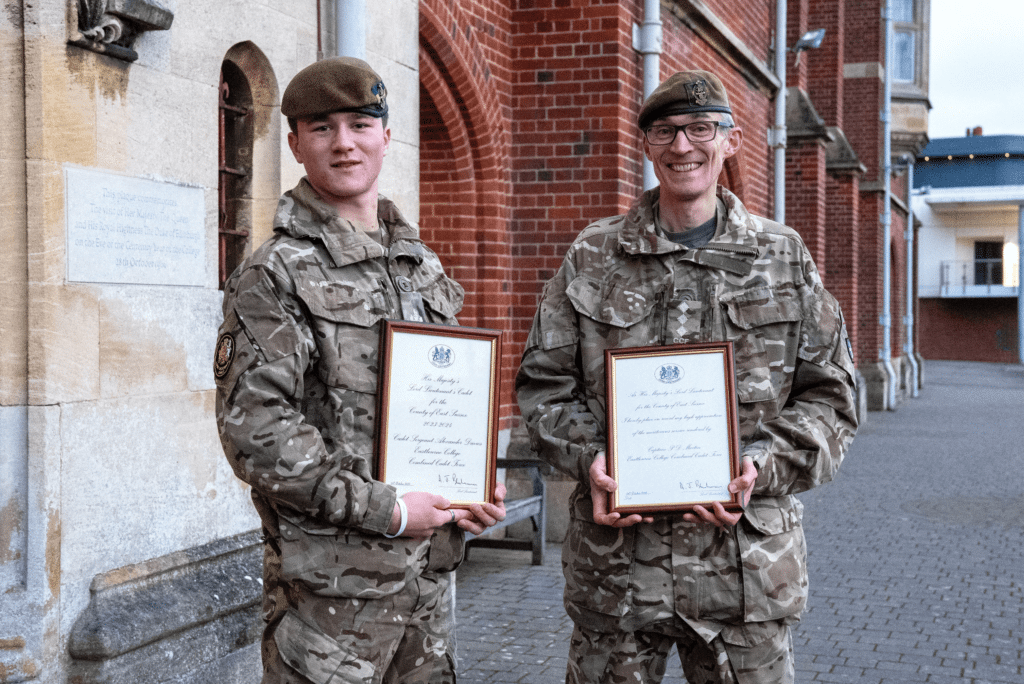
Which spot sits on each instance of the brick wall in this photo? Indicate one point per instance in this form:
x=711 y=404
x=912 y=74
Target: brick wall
x=862 y=96
x=796 y=26
x=968 y=330
x=465 y=188
x=898 y=188
x=864 y=32
x=825 y=65
x=575 y=152
x=528 y=134
x=753 y=23
x=869 y=283
x=864 y=52
x=842 y=233
x=806 y=182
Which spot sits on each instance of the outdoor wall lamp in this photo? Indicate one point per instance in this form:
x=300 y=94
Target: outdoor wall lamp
x=808 y=41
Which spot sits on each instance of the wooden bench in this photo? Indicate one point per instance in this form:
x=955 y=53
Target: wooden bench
x=525 y=508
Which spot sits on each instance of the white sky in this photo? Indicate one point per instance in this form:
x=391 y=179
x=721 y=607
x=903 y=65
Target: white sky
x=976 y=73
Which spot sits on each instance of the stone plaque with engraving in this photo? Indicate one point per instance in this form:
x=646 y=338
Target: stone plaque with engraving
x=133 y=230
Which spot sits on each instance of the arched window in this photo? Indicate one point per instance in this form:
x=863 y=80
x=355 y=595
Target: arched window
x=235 y=110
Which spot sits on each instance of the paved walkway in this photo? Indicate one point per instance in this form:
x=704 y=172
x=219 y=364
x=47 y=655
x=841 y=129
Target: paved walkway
x=916 y=555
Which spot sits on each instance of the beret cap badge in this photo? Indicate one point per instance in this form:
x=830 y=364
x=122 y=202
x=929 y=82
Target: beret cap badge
x=381 y=93
x=698 y=92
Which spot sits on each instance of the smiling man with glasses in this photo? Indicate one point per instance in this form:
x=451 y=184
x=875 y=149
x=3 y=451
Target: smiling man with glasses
x=688 y=264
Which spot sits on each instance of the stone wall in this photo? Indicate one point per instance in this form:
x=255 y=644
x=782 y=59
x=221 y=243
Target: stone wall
x=109 y=455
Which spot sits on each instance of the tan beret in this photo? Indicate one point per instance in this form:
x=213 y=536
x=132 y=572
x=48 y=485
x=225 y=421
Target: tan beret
x=685 y=92
x=339 y=84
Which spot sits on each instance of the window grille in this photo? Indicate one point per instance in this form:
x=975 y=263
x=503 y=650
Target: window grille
x=235 y=161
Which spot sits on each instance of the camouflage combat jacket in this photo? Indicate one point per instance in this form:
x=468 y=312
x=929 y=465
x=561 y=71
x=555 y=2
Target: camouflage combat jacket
x=623 y=285
x=296 y=370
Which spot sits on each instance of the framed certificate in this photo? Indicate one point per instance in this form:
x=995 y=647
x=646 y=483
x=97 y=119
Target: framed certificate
x=673 y=436
x=437 y=422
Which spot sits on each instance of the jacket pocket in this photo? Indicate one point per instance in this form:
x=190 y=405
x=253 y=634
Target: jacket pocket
x=774 y=558
x=764 y=327
x=339 y=302
x=346 y=333
x=612 y=315
x=335 y=562
x=318 y=657
x=616 y=304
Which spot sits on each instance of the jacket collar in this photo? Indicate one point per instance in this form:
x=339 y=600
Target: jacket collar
x=302 y=214
x=734 y=247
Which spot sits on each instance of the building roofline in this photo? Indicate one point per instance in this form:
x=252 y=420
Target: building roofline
x=978 y=145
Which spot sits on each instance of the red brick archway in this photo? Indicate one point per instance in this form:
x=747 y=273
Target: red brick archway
x=464 y=173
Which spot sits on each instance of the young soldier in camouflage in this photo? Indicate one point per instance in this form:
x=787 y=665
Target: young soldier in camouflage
x=687 y=263
x=357 y=582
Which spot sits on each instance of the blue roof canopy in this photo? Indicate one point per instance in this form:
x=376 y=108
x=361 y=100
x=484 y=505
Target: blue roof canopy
x=989 y=166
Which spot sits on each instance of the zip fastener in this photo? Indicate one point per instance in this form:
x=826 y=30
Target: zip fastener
x=733 y=249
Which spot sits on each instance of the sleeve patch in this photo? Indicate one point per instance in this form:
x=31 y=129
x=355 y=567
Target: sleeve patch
x=224 y=355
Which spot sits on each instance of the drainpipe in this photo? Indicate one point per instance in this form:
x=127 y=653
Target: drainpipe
x=319 y=33
x=647 y=41
x=777 y=134
x=350 y=22
x=1020 y=283
x=885 y=354
x=908 y=320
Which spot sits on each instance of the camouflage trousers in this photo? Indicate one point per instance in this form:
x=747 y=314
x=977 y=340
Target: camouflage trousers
x=404 y=638
x=640 y=657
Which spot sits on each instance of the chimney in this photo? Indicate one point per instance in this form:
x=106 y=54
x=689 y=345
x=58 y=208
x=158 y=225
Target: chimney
x=976 y=131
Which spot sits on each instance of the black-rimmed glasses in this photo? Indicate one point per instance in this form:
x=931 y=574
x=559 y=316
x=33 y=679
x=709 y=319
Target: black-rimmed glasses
x=695 y=131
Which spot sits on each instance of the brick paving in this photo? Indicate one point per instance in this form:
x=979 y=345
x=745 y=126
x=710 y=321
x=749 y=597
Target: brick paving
x=916 y=555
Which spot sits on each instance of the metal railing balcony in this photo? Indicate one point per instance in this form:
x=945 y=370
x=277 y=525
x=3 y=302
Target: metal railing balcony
x=977 y=278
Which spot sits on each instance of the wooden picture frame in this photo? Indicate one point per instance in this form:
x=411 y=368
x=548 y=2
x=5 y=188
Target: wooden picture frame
x=673 y=432
x=437 y=426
